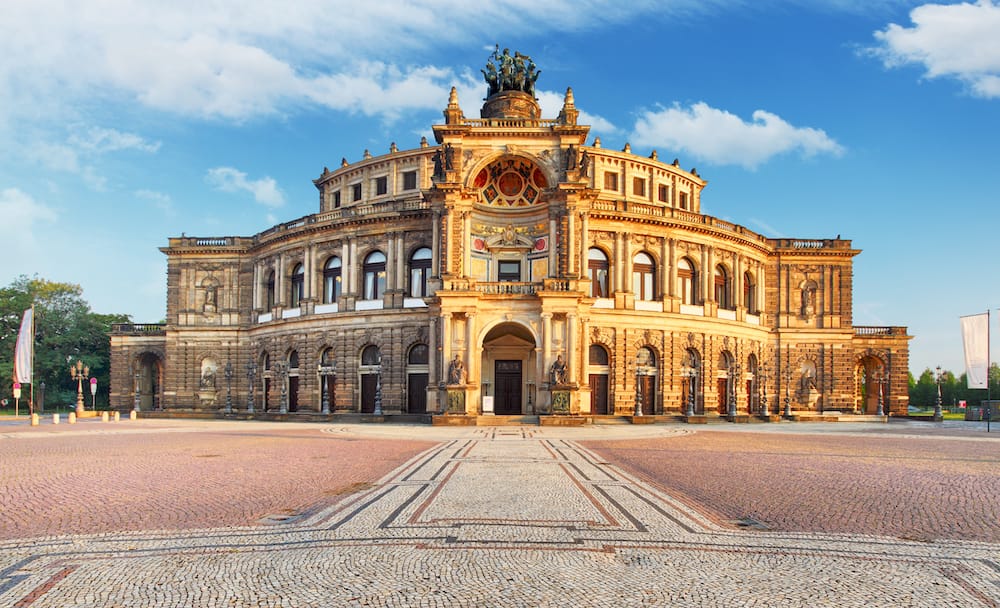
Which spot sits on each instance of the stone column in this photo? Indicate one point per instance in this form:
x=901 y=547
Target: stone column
x=546 y=342
x=400 y=263
x=432 y=354
x=255 y=286
x=553 y=243
x=666 y=267
x=390 y=262
x=705 y=275
x=449 y=227
x=445 y=341
x=738 y=281
x=351 y=263
x=584 y=245
x=466 y=250
x=619 y=263
x=571 y=342
x=672 y=276
x=570 y=241
x=279 y=280
x=471 y=363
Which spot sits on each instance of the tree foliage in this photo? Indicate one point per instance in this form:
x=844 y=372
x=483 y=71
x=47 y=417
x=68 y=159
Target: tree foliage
x=923 y=392
x=65 y=330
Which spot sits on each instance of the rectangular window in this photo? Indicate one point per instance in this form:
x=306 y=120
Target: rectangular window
x=336 y=200
x=684 y=200
x=638 y=186
x=611 y=181
x=664 y=194
x=381 y=185
x=356 y=192
x=409 y=180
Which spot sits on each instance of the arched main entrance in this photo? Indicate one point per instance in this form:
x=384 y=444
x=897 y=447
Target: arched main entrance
x=870 y=377
x=508 y=366
x=149 y=381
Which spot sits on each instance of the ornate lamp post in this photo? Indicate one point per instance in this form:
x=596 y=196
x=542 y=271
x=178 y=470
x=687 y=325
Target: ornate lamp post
x=79 y=372
x=937 y=404
x=251 y=376
x=228 y=374
x=138 y=395
x=281 y=371
x=763 y=387
x=325 y=371
x=638 y=390
x=691 y=373
x=93 y=394
x=734 y=374
x=378 y=387
x=879 y=380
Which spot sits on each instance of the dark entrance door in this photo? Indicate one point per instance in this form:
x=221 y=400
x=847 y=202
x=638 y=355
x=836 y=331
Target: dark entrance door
x=416 y=393
x=723 y=387
x=648 y=388
x=599 y=394
x=368 y=383
x=508 y=380
x=293 y=393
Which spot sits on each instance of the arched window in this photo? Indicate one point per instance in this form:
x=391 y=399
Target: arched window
x=374 y=271
x=723 y=288
x=298 y=285
x=269 y=291
x=371 y=355
x=332 y=282
x=420 y=269
x=326 y=359
x=750 y=293
x=643 y=277
x=598 y=268
x=418 y=355
x=598 y=355
x=293 y=360
x=686 y=282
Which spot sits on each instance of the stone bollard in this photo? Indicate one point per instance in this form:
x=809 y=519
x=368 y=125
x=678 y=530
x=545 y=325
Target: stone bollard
x=104 y=416
x=34 y=420
x=72 y=418
x=117 y=416
x=133 y=415
x=55 y=418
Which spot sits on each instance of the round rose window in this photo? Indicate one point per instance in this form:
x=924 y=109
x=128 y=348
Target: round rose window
x=510 y=183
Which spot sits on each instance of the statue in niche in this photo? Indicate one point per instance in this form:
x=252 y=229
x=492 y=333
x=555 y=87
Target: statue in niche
x=808 y=299
x=557 y=373
x=211 y=297
x=456 y=371
x=208 y=378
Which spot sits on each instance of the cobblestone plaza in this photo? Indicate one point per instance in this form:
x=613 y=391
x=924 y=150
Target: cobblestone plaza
x=212 y=513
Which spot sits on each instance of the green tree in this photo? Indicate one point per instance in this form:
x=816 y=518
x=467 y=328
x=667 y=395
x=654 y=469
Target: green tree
x=65 y=330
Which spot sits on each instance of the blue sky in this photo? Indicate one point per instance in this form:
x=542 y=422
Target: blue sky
x=123 y=123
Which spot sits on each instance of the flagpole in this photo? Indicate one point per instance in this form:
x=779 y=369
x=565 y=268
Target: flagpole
x=31 y=395
x=989 y=404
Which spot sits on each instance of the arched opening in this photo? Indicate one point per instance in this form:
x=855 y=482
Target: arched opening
x=416 y=379
x=723 y=288
x=872 y=382
x=645 y=373
x=150 y=372
x=374 y=275
x=332 y=280
x=265 y=377
x=691 y=397
x=598 y=371
x=643 y=277
x=328 y=380
x=598 y=269
x=686 y=281
x=420 y=270
x=298 y=283
x=293 y=381
x=750 y=293
x=509 y=367
x=752 y=384
x=370 y=373
x=726 y=383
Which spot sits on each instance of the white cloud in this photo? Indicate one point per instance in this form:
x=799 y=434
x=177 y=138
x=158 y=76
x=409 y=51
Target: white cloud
x=21 y=213
x=959 y=41
x=101 y=140
x=721 y=138
x=265 y=190
x=158 y=199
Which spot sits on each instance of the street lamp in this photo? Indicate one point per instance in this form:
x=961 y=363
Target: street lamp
x=93 y=394
x=638 y=390
x=378 y=387
x=138 y=395
x=251 y=375
x=79 y=372
x=879 y=379
x=690 y=372
x=937 y=404
x=325 y=371
x=763 y=386
x=788 y=396
x=734 y=373
x=228 y=374
x=281 y=370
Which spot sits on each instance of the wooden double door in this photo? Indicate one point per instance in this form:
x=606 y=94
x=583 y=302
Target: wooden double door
x=507 y=376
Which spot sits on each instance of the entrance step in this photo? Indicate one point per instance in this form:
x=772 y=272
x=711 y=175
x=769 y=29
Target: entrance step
x=610 y=420
x=506 y=420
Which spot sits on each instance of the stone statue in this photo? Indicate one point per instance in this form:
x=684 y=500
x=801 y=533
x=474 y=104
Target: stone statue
x=510 y=73
x=571 y=157
x=438 y=164
x=584 y=163
x=456 y=371
x=557 y=373
x=208 y=378
x=449 y=157
x=210 y=297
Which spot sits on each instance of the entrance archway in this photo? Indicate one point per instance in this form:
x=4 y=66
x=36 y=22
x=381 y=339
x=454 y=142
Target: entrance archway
x=508 y=365
x=870 y=377
x=150 y=376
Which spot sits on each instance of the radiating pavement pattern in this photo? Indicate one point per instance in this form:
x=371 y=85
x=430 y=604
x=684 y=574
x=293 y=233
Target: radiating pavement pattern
x=497 y=517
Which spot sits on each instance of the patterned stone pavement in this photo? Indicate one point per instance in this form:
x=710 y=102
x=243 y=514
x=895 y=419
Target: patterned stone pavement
x=496 y=517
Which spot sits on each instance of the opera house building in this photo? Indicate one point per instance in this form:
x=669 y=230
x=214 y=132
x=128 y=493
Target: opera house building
x=512 y=267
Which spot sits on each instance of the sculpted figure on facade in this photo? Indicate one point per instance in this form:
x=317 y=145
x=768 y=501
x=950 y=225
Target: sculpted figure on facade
x=506 y=72
x=558 y=373
x=456 y=371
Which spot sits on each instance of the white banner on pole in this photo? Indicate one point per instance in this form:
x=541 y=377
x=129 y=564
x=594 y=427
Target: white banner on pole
x=975 y=337
x=24 y=348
